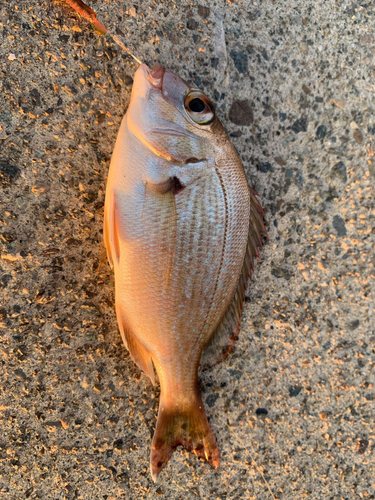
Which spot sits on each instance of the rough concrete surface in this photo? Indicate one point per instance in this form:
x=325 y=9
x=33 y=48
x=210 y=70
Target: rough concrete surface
x=293 y=406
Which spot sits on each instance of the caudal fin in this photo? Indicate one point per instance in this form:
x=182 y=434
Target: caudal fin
x=185 y=425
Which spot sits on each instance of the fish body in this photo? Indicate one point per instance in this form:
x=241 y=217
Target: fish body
x=181 y=230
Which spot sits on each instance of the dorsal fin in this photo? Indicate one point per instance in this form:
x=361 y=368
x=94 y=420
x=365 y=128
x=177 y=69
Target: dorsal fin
x=226 y=334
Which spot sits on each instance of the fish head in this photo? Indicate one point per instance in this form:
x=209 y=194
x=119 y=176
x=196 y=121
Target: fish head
x=171 y=118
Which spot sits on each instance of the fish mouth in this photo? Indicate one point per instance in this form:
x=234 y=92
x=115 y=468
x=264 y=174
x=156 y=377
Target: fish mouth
x=164 y=79
x=155 y=76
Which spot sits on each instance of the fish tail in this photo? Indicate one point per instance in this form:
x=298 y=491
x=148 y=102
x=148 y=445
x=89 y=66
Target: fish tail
x=186 y=425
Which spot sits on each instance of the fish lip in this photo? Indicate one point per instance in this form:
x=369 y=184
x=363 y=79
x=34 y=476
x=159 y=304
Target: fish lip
x=155 y=75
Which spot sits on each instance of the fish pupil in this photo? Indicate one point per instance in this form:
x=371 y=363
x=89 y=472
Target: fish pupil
x=197 y=105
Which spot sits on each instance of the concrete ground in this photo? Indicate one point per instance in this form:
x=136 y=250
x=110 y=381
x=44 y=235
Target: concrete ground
x=293 y=406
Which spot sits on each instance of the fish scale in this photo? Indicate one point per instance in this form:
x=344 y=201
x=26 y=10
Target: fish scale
x=194 y=244
x=237 y=201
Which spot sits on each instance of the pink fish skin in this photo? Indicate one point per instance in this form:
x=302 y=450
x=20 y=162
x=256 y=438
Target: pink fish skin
x=182 y=228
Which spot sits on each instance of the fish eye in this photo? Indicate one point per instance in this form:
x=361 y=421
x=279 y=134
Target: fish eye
x=197 y=105
x=199 y=108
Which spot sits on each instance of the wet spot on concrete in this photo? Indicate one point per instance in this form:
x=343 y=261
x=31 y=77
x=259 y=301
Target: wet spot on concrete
x=279 y=272
x=192 y=24
x=264 y=166
x=339 y=225
x=353 y=325
x=211 y=399
x=294 y=391
x=362 y=446
x=8 y=173
x=203 y=11
x=241 y=113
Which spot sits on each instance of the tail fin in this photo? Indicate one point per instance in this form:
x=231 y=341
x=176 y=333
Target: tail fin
x=184 y=425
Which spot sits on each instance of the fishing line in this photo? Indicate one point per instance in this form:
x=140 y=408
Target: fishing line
x=124 y=48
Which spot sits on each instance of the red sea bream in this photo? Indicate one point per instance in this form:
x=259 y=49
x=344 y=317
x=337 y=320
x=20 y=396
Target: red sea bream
x=182 y=228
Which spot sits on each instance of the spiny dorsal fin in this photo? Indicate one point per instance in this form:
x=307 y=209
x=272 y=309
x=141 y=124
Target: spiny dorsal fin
x=137 y=351
x=226 y=334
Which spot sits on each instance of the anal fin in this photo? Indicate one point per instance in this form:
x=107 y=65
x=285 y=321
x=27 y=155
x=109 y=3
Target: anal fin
x=223 y=340
x=138 y=352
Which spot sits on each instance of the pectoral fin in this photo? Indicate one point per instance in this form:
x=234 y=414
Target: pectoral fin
x=172 y=184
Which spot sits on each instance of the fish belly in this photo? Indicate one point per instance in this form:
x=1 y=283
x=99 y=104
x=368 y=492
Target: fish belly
x=166 y=280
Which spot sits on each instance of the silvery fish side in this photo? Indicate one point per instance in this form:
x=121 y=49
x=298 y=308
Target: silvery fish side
x=181 y=230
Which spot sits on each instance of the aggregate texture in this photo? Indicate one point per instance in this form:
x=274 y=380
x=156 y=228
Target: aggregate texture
x=293 y=406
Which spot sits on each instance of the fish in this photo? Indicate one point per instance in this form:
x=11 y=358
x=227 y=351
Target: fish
x=182 y=229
